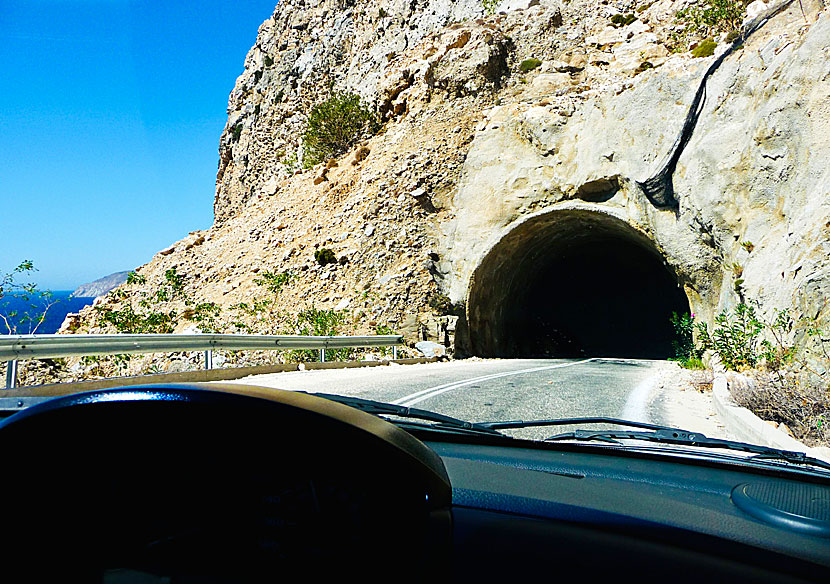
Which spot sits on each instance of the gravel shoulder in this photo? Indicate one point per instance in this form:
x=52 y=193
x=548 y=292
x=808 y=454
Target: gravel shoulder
x=683 y=398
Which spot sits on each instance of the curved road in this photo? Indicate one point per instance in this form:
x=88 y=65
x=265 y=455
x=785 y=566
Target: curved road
x=485 y=390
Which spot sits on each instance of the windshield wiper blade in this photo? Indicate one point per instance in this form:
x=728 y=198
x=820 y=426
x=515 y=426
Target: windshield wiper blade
x=513 y=424
x=383 y=408
x=684 y=437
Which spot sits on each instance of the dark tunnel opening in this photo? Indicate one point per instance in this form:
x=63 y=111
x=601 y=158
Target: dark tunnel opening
x=572 y=284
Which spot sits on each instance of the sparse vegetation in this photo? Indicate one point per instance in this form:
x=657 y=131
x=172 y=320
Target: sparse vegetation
x=490 y=5
x=236 y=132
x=273 y=281
x=800 y=402
x=792 y=389
x=290 y=162
x=325 y=256
x=645 y=65
x=37 y=302
x=707 y=18
x=705 y=48
x=151 y=316
x=383 y=329
x=317 y=322
x=335 y=125
x=748 y=246
x=268 y=61
x=529 y=64
x=441 y=304
x=621 y=20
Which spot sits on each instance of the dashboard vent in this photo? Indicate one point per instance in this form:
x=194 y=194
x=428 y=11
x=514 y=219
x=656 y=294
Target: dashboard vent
x=798 y=507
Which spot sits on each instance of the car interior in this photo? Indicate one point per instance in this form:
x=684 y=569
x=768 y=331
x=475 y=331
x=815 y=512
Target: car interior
x=232 y=483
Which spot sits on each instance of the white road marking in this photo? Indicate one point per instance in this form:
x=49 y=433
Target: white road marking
x=419 y=396
x=637 y=403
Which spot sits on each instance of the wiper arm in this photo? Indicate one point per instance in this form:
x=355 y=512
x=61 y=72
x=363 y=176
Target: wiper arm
x=684 y=437
x=382 y=408
x=570 y=422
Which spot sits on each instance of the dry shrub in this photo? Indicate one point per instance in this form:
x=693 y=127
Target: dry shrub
x=701 y=380
x=800 y=401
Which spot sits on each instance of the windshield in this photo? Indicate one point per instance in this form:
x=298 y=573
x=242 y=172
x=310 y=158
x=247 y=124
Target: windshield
x=494 y=212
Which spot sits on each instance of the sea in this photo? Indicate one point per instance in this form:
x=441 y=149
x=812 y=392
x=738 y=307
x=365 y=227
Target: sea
x=64 y=303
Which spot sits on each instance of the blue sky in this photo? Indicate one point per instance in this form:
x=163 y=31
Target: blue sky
x=110 y=117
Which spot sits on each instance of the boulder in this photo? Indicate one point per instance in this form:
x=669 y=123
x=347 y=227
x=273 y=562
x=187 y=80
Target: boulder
x=429 y=349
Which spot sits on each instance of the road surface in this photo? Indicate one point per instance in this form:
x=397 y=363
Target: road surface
x=498 y=389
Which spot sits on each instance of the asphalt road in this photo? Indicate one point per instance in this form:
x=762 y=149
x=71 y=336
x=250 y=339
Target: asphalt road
x=487 y=390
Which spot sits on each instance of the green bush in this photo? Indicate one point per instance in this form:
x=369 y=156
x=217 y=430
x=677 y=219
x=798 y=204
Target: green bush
x=684 y=344
x=150 y=316
x=644 y=66
x=490 y=5
x=317 y=322
x=236 y=132
x=621 y=20
x=334 y=125
x=274 y=282
x=127 y=321
x=268 y=61
x=207 y=315
x=734 y=339
x=383 y=329
x=693 y=363
x=529 y=64
x=709 y=17
x=706 y=48
x=325 y=256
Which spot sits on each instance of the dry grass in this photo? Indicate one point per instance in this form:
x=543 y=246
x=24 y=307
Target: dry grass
x=800 y=401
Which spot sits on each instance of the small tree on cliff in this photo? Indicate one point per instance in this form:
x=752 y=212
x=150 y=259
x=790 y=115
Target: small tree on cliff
x=23 y=306
x=335 y=125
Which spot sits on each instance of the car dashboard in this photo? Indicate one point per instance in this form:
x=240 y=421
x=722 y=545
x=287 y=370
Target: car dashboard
x=619 y=516
x=222 y=483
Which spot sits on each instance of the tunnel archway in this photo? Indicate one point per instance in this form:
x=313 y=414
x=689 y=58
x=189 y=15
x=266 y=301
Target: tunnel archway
x=573 y=283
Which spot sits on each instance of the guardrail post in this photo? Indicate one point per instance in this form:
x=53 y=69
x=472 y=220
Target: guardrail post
x=11 y=374
x=322 y=355
x=394 y=352
x=209 y=359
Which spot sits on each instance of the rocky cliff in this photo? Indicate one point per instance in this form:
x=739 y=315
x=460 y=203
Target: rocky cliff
x=100 y=286
x=509 y=164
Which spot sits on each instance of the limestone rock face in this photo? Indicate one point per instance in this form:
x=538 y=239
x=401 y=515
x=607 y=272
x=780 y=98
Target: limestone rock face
x=474 y=153
x=300 y=51
x=756 y=171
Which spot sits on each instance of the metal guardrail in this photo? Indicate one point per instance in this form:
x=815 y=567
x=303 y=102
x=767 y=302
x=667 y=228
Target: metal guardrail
x=16 y=347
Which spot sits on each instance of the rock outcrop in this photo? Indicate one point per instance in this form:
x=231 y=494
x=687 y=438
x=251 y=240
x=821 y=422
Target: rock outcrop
x=484 y=161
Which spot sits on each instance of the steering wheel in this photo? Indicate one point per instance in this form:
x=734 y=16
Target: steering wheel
x=215 y=482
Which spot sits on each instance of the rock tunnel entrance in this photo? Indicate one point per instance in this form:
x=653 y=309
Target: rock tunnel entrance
x=573 y=283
